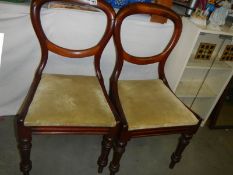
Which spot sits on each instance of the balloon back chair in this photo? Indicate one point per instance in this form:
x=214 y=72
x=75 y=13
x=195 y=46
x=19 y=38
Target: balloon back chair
x=148 y=107
x=47 y=108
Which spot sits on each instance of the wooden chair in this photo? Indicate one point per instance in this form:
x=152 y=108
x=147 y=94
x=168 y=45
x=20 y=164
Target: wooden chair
x=67 y=104
x=148 y=107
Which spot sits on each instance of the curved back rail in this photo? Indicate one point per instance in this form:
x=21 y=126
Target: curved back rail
x=151 y=9
x=95 y=50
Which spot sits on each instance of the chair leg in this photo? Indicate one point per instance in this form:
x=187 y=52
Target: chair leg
x=24 y=145
x=183 y=142
x=119 y=149
x=106 y=147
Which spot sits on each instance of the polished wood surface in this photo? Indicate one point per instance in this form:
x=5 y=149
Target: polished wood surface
x=122 y=56
x=24 y=134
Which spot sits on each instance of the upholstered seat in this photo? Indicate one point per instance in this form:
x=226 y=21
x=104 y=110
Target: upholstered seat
x=69 y=100
x=141 y=99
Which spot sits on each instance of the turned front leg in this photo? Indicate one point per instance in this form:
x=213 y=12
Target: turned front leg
x=24 y=138
x=25 y=149
x=119 y=149
x=106 y=147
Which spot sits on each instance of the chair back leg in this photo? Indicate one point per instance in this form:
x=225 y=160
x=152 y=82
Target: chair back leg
x=118 y=150
x=183 y=142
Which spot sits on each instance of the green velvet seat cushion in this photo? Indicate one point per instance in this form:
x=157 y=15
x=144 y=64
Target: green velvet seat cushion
x=69 y=100
x=150 y=104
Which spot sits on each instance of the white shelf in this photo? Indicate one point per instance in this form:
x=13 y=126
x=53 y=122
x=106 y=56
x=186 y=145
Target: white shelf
x=203 y=64
x=201 y=104
x=189 y=89
x=224 y=30
x=189 y=74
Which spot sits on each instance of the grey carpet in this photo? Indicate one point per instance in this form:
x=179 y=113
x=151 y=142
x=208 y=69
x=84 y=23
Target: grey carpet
x=209 y=153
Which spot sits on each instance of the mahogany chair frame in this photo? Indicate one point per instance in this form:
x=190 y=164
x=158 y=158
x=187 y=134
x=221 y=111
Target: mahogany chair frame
x=125 y=135
x=24 y=133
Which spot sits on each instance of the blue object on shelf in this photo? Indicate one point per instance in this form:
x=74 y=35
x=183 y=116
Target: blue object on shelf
x=121 y=3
